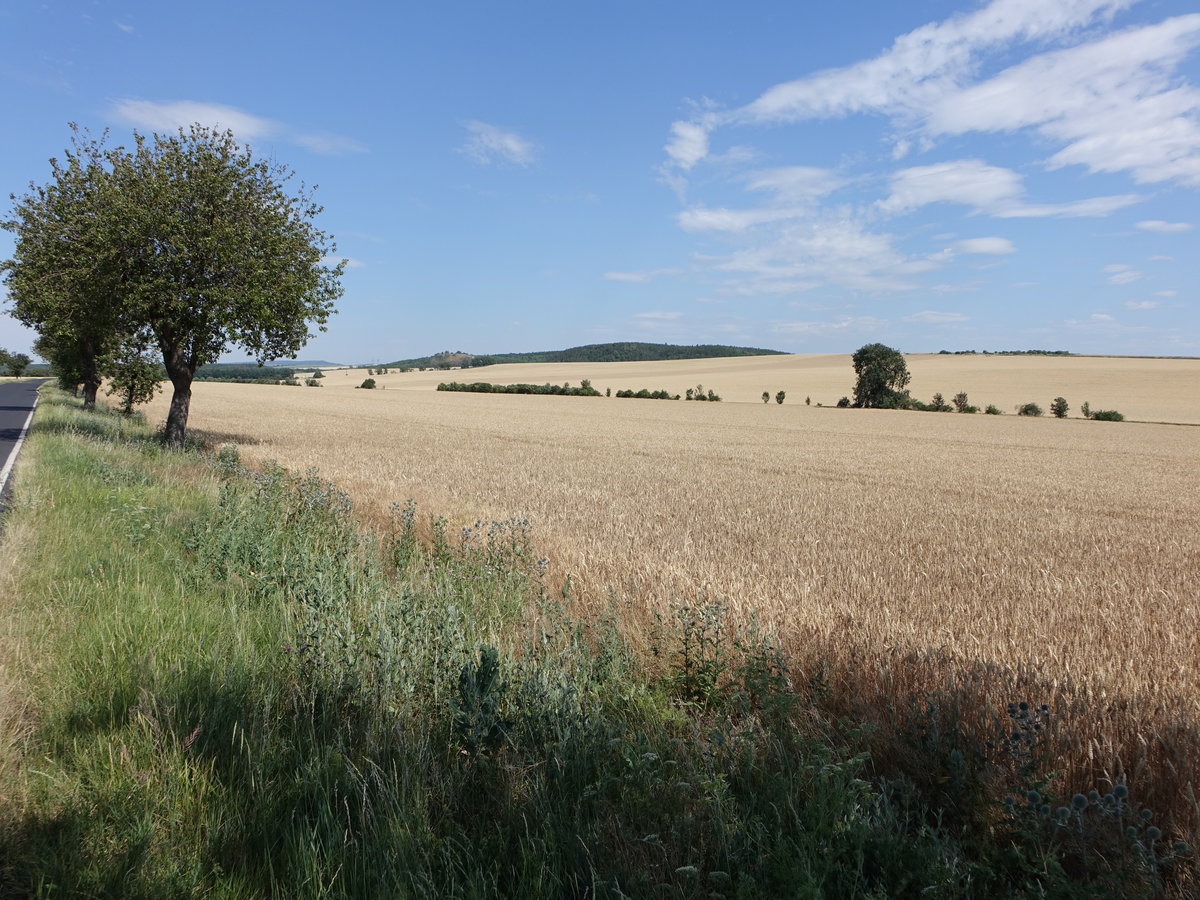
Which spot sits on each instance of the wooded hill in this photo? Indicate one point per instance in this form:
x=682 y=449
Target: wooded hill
x=625 y=351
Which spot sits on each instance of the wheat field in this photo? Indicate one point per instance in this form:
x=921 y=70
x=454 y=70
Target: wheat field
x=1000 y=557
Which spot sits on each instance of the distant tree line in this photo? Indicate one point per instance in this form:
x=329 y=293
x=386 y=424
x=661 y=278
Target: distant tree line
x=625 y=351
x=585 y=388
x=239 y=373
x=1006 y=352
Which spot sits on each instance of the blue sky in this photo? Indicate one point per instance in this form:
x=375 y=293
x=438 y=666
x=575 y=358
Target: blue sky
x=804 y=177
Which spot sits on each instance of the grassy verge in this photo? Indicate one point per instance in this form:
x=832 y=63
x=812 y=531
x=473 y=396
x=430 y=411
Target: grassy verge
x=230 y=690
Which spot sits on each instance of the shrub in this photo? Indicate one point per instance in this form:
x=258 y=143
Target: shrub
x=808 y=401
x=939 y=404
x=1086 y=409
x=779 y=397
x=1029 y=409
x=766 y=396
x=960 y=401
x=312 y=382
x=368 y=384
x=1059 y=407
x=993 y=410
x=844 y=403
x=1107 y=415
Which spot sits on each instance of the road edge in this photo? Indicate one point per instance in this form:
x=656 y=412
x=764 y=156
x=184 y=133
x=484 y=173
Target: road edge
x=6 y=472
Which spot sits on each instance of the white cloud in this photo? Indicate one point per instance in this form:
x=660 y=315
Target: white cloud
x=989 y=245
x=124 y=27
x=173 y=115
x=689 y=144
x=489 y=144
x=640 y=277
x=1120 y=273
x=1115 y=103
x=176 y=114
x=1102 y=317
x=840 y=324
x=987 y=189
x=933 y=317
x=795 y=184
x=1142 y=304
x=1161 y=227
x=659 y=316
x=924 y=64
x=1165 y=293
x=700 y=218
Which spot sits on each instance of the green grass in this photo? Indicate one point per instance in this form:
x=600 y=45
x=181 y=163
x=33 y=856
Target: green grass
x=236 y=692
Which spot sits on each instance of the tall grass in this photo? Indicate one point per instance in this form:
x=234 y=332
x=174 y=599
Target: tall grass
x=237 y=692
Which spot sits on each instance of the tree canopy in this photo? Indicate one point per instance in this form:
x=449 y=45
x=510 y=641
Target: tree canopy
x=882 y=376
x=185 y=242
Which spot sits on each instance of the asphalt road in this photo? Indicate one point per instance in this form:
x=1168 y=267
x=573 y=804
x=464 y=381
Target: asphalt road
x=16 y=402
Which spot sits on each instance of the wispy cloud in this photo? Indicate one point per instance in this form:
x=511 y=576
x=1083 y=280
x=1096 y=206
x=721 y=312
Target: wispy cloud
x=850 y=324
x=641 y=277
x=1120 y=273
x=934 y=317
x=125 y=27
x=172 y=115
x=987 y=189
x=989 y=245
x=1143 y=304
x=659 y=315
x=488 y=144
x=1160 y=227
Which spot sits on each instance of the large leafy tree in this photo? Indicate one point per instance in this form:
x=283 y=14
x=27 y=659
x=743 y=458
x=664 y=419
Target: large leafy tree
x=196 y=247
x=882 y=376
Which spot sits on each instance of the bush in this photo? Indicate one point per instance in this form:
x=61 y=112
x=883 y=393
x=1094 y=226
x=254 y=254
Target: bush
x=1059 y=407
x=1107 y=415
x=1029 y=409
x=960 y=401
x=766 y=396
x=779 y=397
x=939 y=404
x=368 y=384
x=1086 y=409
x=312 y=382
x=993 y=410
x=844 y=403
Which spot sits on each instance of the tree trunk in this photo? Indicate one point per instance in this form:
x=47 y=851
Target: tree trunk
x=181 y=375
x=181 y=401
x=89 y=394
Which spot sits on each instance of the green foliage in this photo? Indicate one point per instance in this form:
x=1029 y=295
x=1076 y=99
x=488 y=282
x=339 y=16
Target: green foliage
x=134 y=376
x=808 y=401
x=1086 y=409
x=1029 y=409
x=13 y=364
x=699 y=393
x=1108 y=415
x=1059 y=407
x=993 y=410
x=843 y=403
x=647 y=394
x=779 y=397
x=312 y=382
x=882 y=375
x=585 y=388
x=369 y=384
x=939 y=404
x=241 y=373
x=962 y=404
x=766 y=396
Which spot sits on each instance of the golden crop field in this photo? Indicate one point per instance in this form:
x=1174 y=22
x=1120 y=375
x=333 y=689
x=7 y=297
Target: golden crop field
x=1002 y=557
